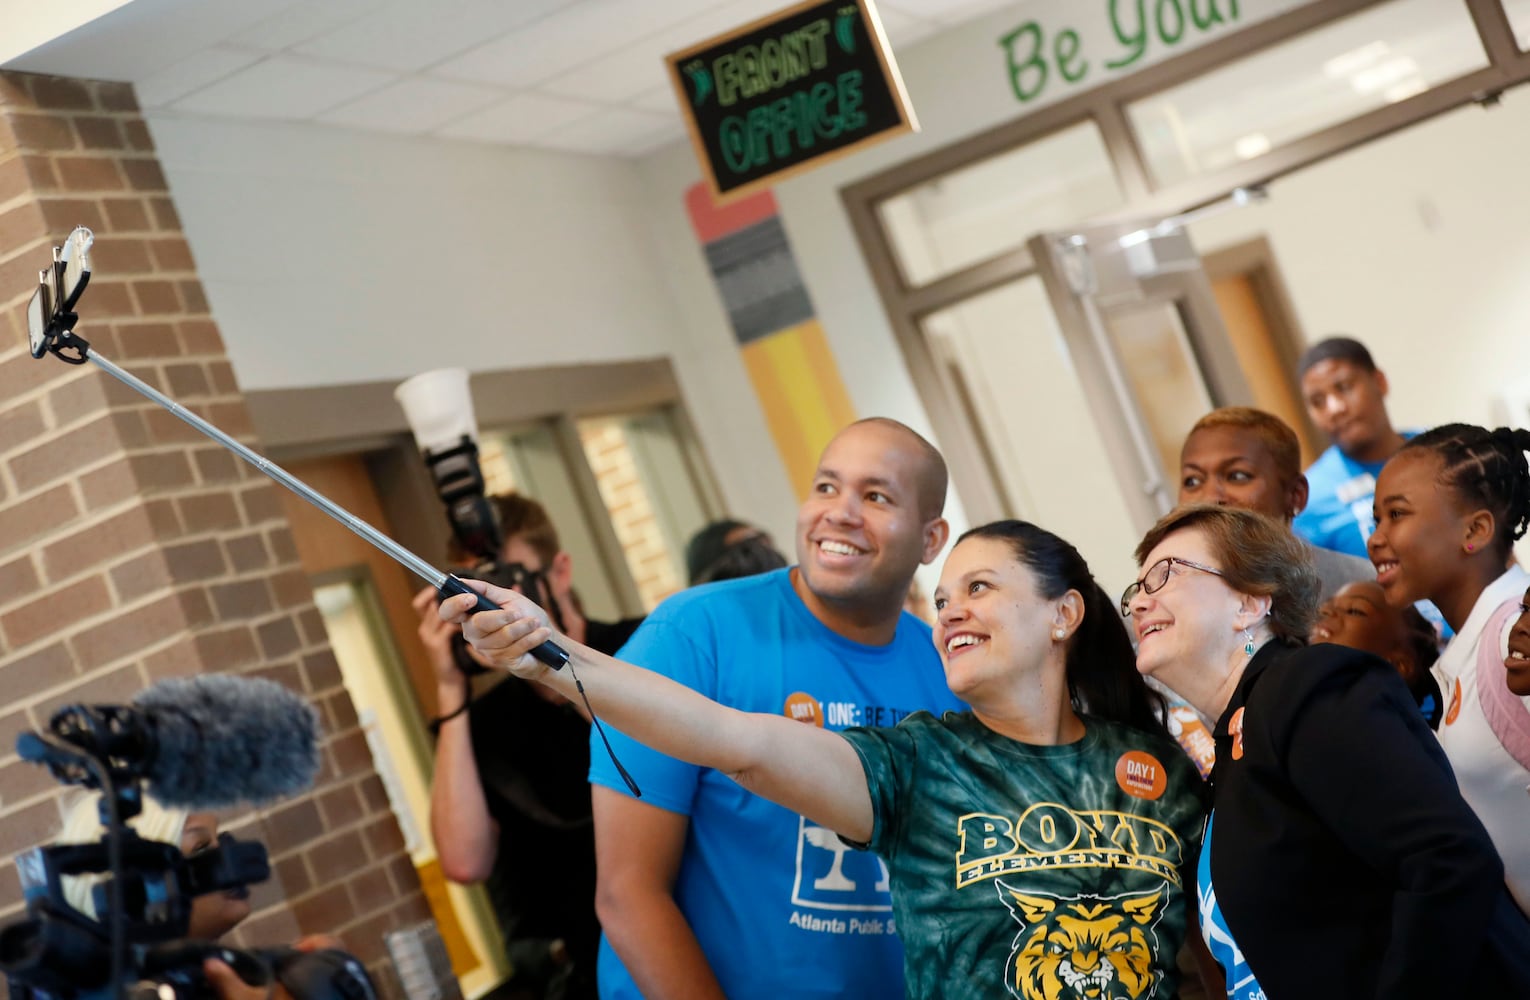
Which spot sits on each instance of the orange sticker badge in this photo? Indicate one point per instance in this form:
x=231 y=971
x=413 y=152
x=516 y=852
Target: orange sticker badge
x=804 y=708
x=1141 y=775
x=1455 y=703
x=1194 y=738
x=1235 y=727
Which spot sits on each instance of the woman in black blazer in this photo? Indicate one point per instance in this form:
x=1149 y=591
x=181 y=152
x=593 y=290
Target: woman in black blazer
x=1339 y=860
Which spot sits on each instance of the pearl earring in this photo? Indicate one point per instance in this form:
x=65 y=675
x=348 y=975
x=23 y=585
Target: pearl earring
x=1059 y=633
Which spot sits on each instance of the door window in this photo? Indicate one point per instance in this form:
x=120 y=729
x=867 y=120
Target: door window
x=993 y=205
x=1380 y=56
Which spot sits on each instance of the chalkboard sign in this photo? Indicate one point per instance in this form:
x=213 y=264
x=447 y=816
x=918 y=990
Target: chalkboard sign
x=781 y=94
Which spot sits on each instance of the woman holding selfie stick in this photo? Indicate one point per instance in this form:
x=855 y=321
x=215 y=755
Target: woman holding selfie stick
x=1032 y=844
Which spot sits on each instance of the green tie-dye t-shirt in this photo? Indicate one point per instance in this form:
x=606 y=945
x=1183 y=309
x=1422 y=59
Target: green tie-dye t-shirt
x=1052 y=872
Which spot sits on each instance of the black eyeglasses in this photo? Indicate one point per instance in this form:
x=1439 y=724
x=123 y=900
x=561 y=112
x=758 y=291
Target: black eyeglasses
x=1157 y=575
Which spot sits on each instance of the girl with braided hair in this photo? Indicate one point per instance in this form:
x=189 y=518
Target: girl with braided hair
x=1449 y=507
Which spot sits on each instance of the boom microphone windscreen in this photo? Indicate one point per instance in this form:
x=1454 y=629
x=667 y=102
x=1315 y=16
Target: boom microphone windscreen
x=218 y=740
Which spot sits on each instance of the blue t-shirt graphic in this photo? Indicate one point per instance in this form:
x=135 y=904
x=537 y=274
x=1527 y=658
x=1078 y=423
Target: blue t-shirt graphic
x=1241 y=984
x=781 y=907
x=1338 y=514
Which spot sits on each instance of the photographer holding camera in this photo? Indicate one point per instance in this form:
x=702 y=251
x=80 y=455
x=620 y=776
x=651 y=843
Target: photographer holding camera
x=511 y=768
x=213 y=914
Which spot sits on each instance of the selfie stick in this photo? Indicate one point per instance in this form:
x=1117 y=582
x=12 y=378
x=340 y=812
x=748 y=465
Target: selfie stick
x=448 y=584
x=63 y=283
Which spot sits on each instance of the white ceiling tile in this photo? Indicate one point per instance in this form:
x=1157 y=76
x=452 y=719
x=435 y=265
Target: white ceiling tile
x=657 y=138
x=580 y=35
x=661 y=98
x=413 y=105
x=905 y=29
x=283 y=87
x=197 y=70
x=301 y=21
x=614 y=132
x=136 y=39
x=521 y=119
x=639 y=65
x=947 y=12
x=409 y=35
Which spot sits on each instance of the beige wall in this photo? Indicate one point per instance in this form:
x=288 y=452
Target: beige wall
x=131 y=548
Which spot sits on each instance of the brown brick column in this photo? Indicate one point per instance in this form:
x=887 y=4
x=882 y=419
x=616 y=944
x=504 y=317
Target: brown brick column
x=134 y=549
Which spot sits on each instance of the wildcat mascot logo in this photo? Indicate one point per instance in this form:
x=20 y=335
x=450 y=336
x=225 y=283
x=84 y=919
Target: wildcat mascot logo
x=1084 y=947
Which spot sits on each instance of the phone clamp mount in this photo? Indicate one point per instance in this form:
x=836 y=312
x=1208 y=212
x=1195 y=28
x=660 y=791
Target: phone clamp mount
x=50 y=312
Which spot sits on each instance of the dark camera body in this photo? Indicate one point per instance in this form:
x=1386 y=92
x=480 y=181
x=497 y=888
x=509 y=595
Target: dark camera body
x=512 y=576
x=327 y=974
x=58 y=953
x=170 y=970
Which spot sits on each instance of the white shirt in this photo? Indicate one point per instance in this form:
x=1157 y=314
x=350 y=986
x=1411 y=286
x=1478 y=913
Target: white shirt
x=1492 y=782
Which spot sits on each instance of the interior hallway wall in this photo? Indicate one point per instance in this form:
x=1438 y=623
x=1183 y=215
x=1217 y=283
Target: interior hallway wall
x=959 y=85
x=1419 y=246
x=332 y=256
x=132 y=549
x=1417 y=243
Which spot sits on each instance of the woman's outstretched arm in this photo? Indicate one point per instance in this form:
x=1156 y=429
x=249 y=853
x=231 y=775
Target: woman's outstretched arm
x=809 y=770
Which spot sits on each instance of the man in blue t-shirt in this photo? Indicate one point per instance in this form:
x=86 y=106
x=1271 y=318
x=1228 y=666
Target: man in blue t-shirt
x=1345 y=395
x=706 y=890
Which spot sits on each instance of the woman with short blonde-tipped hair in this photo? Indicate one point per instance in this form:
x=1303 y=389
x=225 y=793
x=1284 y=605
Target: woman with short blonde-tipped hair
x=1340 y=859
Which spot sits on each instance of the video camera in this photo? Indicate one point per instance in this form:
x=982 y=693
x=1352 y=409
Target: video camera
x=139 y=950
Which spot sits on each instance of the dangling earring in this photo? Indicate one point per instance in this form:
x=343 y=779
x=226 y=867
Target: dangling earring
x=1248 y=642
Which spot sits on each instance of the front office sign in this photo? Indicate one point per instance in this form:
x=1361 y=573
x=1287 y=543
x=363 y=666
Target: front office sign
x=788 y=91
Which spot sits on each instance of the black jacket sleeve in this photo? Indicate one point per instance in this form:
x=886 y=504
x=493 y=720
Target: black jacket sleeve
x=1358 y=753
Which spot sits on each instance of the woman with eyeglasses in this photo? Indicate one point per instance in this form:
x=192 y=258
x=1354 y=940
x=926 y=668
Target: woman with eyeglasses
x=1041 y=844
x=1339 y=859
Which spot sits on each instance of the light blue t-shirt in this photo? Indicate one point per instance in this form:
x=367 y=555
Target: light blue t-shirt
x=1340 y=496
x=1241 y=984
x=780 y=906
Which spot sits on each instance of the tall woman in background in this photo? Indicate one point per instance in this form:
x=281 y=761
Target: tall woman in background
x=1449 y=507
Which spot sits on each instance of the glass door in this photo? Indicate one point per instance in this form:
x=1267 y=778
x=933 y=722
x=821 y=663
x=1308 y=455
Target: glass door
x=1137 y=316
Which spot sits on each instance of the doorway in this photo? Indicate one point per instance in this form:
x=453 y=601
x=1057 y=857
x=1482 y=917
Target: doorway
x=1262 y=326
x=363 y=598
x=1081 y=380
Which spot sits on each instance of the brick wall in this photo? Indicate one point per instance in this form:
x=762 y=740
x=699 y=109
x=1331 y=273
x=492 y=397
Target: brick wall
x=131 y=547
x=648 y=558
